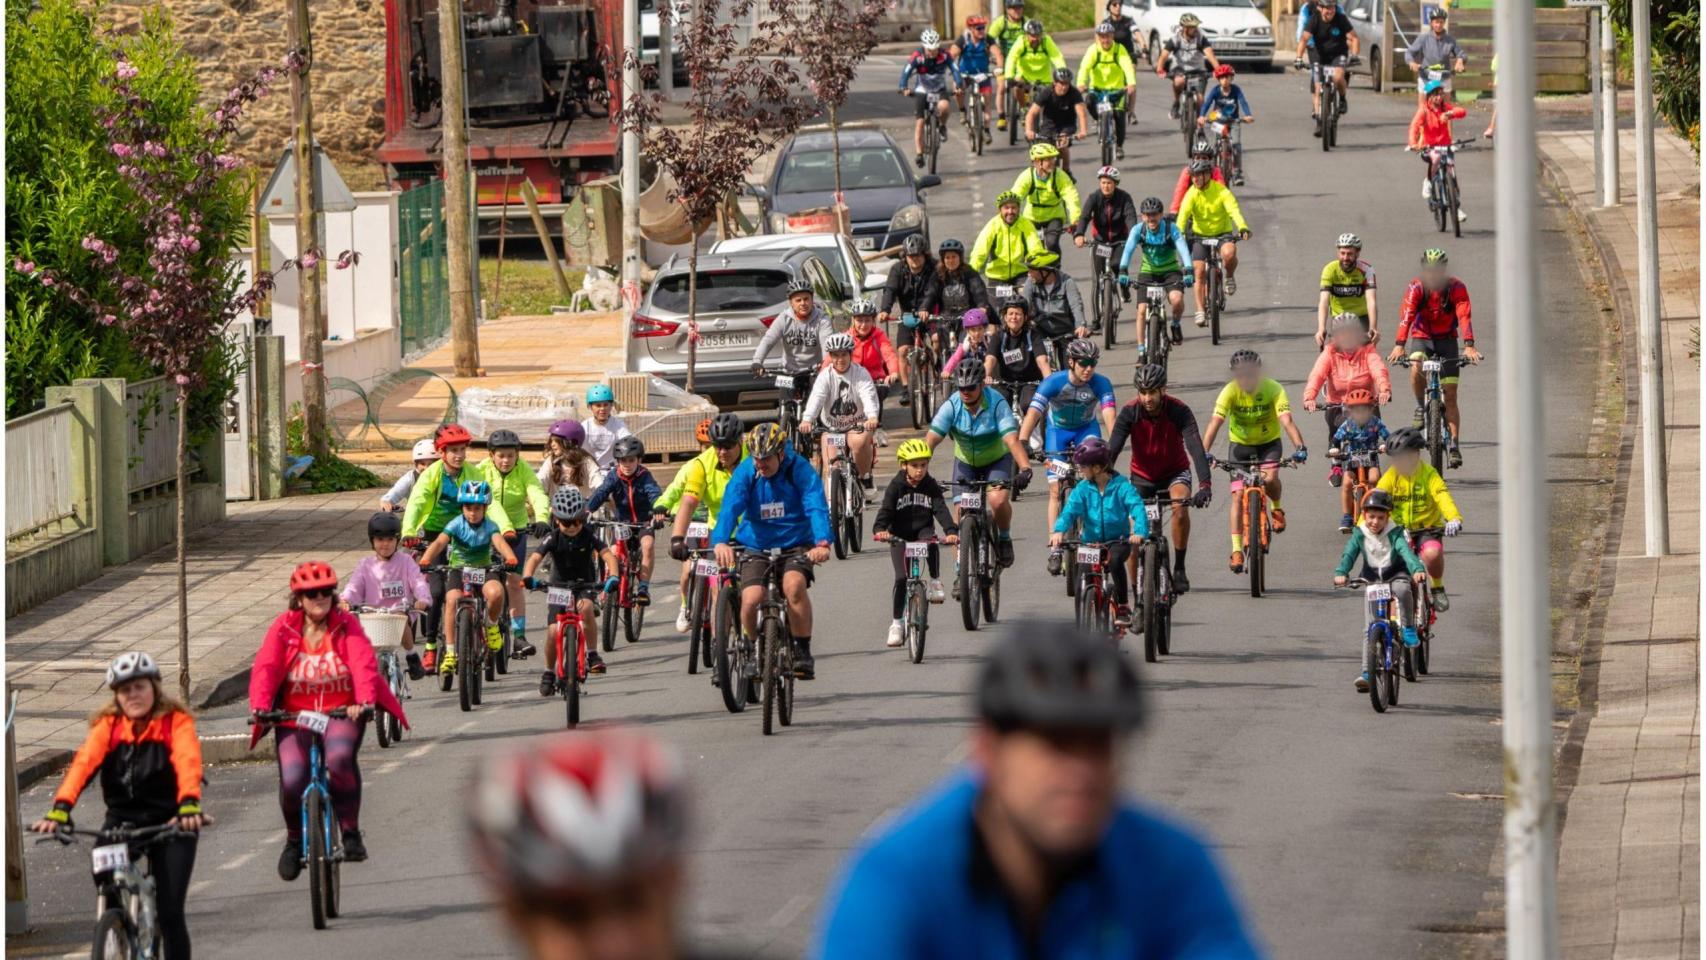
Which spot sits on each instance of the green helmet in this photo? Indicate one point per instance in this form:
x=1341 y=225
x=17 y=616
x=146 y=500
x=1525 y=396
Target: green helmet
x=1433 y=257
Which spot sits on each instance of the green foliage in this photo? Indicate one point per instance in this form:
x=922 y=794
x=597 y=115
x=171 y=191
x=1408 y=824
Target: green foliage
x=330 y=473
x=1676 y=61
x=1059 y=16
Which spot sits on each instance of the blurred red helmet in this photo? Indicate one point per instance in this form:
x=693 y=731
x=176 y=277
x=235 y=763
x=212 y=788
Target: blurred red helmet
x=313 y=575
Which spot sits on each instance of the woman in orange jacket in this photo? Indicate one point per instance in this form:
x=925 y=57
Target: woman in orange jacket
x=144 y=748
x=1349 y=363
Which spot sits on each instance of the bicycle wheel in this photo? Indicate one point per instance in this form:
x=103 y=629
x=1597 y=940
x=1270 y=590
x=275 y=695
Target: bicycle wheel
x=334 y=877
x=916 y=385
x=695 y=598
x=1098 y=301
x=1451 y=204
x=1393 y=680
x=634 y=621
x=1156 y=340
x=1110 y=311
x=1012 y=116
x=381 y=727
x=501 y=657
x=1374 y=642
x=974 y=103
x=1424 y=636
x=970 y=537
x=1151 y=586
x=113 y=939
x=317 y=860
x=1327 y=107
x=991 y=586
x=1434 y=418
x=607 y=621
x=837 y=505
x=1436 y=205
x=1084 y=606
x=464 y=658
x=1106 y=134
x=769 y=640
x=1408 y=655
x=1069 y=563
x=1214 y=300
x=1254 y=555
x=572 y=700
x=917 y=621
x=785 y=682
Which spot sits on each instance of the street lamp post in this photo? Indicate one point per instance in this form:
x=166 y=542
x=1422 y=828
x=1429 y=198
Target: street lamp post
x=1650 y=338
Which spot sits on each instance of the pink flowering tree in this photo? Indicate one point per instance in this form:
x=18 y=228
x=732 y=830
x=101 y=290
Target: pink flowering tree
x=174 y=294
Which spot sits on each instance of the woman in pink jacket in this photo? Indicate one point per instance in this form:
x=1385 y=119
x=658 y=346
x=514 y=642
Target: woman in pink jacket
x=1348 y=363
x=315 y=657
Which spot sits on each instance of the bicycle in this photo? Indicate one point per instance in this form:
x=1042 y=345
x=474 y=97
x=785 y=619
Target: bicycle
x=789 y=403
x=917 y=613
x=570 y=684
x=1107 y=104
x=921 y=378
x=1093 y=607
x=1214 y=277
x=846 y=495
x=385 y=629
x=1386 y=650
x=976 y=569
x=126 y=922
x=322 y=841
x=976 y=111
x=734 y=657
x=1361 y=473
x=1255 y=520
x=775 y=641
x=1445 y=201
x=1154 y=315
x=1018 y=104
x=623 y=601
x=702 y=588
x=1188 y=102
x=1435 y=429
x=1425 y=615
x=935 y=129
x=1154 y=582
x=1322 y=87
x=1106 y=294
x=1059 y=468
x=1226 y=156
x=470 y=639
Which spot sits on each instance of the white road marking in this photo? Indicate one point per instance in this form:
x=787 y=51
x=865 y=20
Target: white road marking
x=790 y=910
x=239 y=860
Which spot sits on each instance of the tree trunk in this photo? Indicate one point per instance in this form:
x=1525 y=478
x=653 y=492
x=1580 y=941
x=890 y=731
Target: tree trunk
x=183 y=553
x=835 y=148
x=692 y=309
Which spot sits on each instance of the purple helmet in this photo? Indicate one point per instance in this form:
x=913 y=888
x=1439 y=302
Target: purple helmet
x=569 y=431
x=1093 y=452
x=975 y=317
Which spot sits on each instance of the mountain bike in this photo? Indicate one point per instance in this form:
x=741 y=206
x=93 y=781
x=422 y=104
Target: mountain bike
x=385 y=629
x=702 y=588
x=1214 y=276
x=977 y=112
x=1188 y=102
x=1226 y=156
x=1105 y=106
x=571 y=653
x=1154 y=582
x=1106 y=294
x=1154 y=317
x=1361 y=472
x=846 y=495
x=1094 y=608
x=1059 y=468
x=1255 y=519
x=1332 y=99
x=1435 y=429
x=935 y=128
x=775 y=641
x=977 y=572
x=1425 y=615
x=921 y=366
x=1018 y=104
x=126 y=922
x=624 y=602
x=916 y=617
x=790 y=399
x=734 y=655
x=322 y=840
x=1386 y=650
x=1445 y=201
x=468 y=620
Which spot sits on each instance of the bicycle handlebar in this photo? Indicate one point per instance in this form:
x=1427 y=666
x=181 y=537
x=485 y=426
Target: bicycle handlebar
x=1231 y=466
x=283 y=716
x=1460 y=361
x=67 y=834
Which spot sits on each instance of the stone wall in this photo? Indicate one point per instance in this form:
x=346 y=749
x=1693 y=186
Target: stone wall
x=233 y=38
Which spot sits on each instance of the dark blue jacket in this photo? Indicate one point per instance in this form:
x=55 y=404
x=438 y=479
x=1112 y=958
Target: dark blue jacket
x=632 y=497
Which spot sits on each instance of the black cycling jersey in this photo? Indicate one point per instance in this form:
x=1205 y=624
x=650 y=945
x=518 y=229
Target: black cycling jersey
x=908 y=292
x=911 y=512
x=960 y=291
x=1123 y=26
x=1016 y=356
x=574 y=559
x=1111 y=218
x=1059 y=110
x=1332 y=37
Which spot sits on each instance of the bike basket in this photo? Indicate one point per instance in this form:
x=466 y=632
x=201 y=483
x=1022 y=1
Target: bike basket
x=383 y=629
x=109 y=858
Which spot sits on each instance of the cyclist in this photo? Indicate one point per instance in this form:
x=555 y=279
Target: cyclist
x=603 y=429
x=1058 y=116
x=1258 y=410
x=1363 y=433
x=1057 y=310
x=316 y=657
x=1165 y=445
x=1006 y=242
x=390 y=580
x=774 y=500
x=143 y=746
x=1028 y=850
x=871 y=347
x=1112 y=514
x=1386 y=558
x=471 y=539
x=1350 y=363
x=1348 y=286
x=1224 y=106
x=1199 y=151
x=1051 y=198
x=1433 y=315
x=910 y=292
x=1304 y=16
x=398 y=496
x=517 y=488
x=913 y=506
x=701 y=492
x=1430 y=135
x=576 y=555
x=1079 y=404
x=435 y=503
x=633 y=493
x=1125 y=29
x=959 y=287
x=1007 y=31
x=976 y=52
x=1017 y=353
x=1435 y=49
x=1163 y=262
x=566 y=462
x=1421 y=505
x=1328 y=40
x=986 y=447
x=800 y=331
x=583 y=838
x=1192 y=56
x=845 y=396
x=936 y=74
x=1032 y=61
x=1107 y=217
x=974 y=341
x=1210 y=211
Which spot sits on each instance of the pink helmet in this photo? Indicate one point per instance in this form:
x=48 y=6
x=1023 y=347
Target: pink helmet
x=569 y=431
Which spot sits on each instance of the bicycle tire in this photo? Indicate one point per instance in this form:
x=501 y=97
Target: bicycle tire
x=334 y=878
x=785 y=682
x=1083 y=606
x=1156 y=340
x=381 y=728
x=396 y=726
x=634 y=621
x=1107 y=135
x=1254 y=555
x=1012 y=117
x=113 y=937
x=1213 y=300
x=991 y=592
x=477 y=674
x=1436 y=203
x=1452 y=205
x=316 y=861
x=607 y=621
x=501 y=660
x=1326 y=99
x=769 y=637
x=572 y=701
x=837 y=501
x=727 y=667
x=1148 y=560
x=1111 y=311
x=917 y=622
x=1393 y=678
x=1164 y=642
x=975 y=117
x=464 y=658
x=1434 y=419
x=1424 y=642
x=1069 y=562
x=970 y=534
x=915 y=386
x=491 y=670
x=1408 y=655
x=695 y=596
x=1375 y=645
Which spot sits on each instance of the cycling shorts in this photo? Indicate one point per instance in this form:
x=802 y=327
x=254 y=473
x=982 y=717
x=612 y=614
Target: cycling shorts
x=1444 y=349
x=1200 y=74
x=1001 y=470
x=1199 y=249
x=755 y=568
x=1065 y=438
x=582 y=591
x=1419 y=539
x=1266 y=454
x=905 y=336
x=1153 y=489
x=1172 y=280
x=1046 y=131
x=922 y=104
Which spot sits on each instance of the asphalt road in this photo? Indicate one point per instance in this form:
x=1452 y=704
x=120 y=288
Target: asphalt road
x=1344 y=831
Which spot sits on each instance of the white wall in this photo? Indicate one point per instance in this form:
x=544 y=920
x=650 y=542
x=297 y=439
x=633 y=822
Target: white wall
x=362 y=297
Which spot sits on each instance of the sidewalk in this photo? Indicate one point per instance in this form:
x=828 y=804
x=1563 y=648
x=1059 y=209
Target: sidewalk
x=1629 y=853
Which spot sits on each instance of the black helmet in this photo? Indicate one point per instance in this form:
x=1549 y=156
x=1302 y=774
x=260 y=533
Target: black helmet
x=1043 y=675
x=1378 y=500
x=726 y=429
x=384 y=525
x=799 y=285
x=1200 y=166
x=629 y=446
x=1084 y=351
x=914 y=245
x=1151 y=205
x=1033 y=28
x=1019 y=302
x=968 y=373
x=1406 y=438
x=1150 y=376
x=951 y=245
x=502 y=438
x=1063 y=75
x=1241 y=357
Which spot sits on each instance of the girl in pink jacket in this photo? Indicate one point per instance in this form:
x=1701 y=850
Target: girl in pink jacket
x=1349 y=363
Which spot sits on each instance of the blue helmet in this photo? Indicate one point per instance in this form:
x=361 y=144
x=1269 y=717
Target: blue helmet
x=600 y=393
x=474 y=491
x=1432 y=87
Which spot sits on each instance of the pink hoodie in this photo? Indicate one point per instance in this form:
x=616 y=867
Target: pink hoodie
x=284 y=641
x=1344 y=372
x=366 y=587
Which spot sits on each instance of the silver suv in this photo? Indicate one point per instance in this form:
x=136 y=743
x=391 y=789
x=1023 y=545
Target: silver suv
x=740 y=295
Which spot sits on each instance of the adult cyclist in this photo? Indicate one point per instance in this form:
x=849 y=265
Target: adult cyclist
x=1125 y=29
x=774 y=500
x=1165 y=446
x=1058 y=116
x=1225 y=107
x=1257 y=410
x=1192 y=57
x=975 y=54
x=1032 y=61
x=1057 y=310
x=1348 y=286
x=1182 y=186
x=1079 y=404
x=1164 y=258
x=700 y=495
x=1329 y=41
x=800 y=331
x=910 y=294
x=1210 y=214
x=1004 y=245
x=1017 y=353
x=1050 y=196
x=1433 y=315
x=1107 y=218
x=936 y=74
x=1028 y=850
x=959 y=287
x=1007 y=31
x=986 y=447
x=1107 y=73
x=845 y=396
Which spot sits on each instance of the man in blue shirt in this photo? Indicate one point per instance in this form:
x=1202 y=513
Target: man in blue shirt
x=1029 y=852
x=774 y=500
x=1079 y=404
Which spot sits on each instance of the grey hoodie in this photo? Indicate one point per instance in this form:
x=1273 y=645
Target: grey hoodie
x=802 y=340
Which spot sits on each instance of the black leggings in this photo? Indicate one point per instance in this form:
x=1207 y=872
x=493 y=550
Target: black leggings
x=170 y=863
x=897 y=557
x=431 y=628
x=1119 y=552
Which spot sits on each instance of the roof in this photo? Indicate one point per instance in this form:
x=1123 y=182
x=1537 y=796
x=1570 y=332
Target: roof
x=778 y=241
x=744 y=259
x=849 y=138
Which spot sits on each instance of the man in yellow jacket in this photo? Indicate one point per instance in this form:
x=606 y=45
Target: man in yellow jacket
x=1051 y=198
x=1007 y=241
x=1209 y=210
x=1106 y=74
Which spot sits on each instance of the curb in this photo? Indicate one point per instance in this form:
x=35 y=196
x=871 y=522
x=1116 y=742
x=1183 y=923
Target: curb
x=215 y=748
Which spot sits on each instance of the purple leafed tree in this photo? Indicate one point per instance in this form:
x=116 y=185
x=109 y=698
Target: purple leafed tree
x=803 y=32
x=742 y=103
x=175 y=297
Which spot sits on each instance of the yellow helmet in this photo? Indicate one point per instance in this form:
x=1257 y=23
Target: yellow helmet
x=1044 y=151
x=766 y=440
x=913 y=449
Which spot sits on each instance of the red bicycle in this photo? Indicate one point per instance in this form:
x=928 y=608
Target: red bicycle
x=1094 y=607
x=570 y=680
x=625 y=541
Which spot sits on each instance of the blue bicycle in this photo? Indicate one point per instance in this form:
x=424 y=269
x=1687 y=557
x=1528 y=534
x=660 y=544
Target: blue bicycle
x=1387 y=655
x=1105 y=105
x=322 y=841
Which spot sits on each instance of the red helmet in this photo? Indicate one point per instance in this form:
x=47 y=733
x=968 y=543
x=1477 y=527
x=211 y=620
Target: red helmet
x=1359 y=398
x=702 y=432
x=450 y=435
x=1224 y=70
x=977 y=20
x=313 y=575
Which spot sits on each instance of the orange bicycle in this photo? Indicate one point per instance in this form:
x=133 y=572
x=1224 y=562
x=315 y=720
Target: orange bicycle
x=1253 y=516
x=1362 y=471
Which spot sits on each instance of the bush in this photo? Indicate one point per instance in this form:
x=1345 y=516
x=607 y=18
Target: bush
x=330 y=473
x=1676 y=61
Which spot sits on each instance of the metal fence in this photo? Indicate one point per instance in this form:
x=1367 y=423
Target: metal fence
x=38 y=470
x=151 y=422
x=423 y=277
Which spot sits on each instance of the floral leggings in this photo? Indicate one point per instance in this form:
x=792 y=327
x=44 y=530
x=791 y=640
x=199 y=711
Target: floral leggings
x=343 y=739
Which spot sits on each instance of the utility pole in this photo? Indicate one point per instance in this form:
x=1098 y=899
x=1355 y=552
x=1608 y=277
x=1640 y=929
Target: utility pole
x=1609 y=187
x=1596 y=24
x=1530 y=823
x=631 y=148
x=1647 y=297
x=313 y=320
x=453 y=119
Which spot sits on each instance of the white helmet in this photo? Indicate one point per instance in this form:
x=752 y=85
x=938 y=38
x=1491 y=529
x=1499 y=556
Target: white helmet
x=1350 y=240
x=838 y=343
x=930 y=39
x=424 y=450
x=128 y=666
x=861 y=307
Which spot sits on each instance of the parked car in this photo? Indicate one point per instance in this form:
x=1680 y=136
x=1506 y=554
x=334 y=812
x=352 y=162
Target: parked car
x=1365 y=20
x=836 y=249
x=1239 y=31
x=739 y=295
x=884 y=198
x=649 y=34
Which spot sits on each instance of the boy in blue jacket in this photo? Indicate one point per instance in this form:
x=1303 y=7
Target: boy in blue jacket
x=1110 y=511
x=632 y=490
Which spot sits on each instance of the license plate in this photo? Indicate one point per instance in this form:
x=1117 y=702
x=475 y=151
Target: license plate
x=719 y=341
x=473 y=576
x=108 y=859
x=837 y=440
x=969 y=501
x=1104 y=250
x=864 y=243
x=559 y=596
x=705 y=567
x=1154 y=511
x=698 y=531
x=312 y=721
x=1089 y=554
x=1380 y=591
x=391 y=590
x=918 y=550
x=1432 y=366
x=1057 y=469
x=784 y=382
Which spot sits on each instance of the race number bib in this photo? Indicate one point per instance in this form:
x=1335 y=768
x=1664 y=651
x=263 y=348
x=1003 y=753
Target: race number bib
x=473 y=576
x=1003 y=291
x=916 y=550
x=1104 y=250
x=1012 y=358
x=1379 y=591
x=705 y=567
x=108 y=859
x=784 y=382
x=770 y=511
x=559 y=596
x=1089 y=554
x=837 y=440
x=313 y=722
x=391 y=590
x=968 y=501
x=1157 y=292
x=1058 y=469
x=1432 y=366
x=698 y=531
x=1154 y=512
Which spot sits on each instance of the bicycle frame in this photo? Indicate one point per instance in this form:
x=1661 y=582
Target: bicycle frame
x=120 y=883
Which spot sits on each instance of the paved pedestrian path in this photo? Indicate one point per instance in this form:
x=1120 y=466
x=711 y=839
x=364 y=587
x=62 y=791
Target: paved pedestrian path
x=1629 y=856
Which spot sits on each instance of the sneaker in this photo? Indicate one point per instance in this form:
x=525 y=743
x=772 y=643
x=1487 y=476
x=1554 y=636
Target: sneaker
x=918 y=160
x=1237 y=561
x=1279 y=521
x=1336 y=476
x=1000 y=123
x=1362 y=682
x=1442 y=603
x=1454 y=457
x=1004 y=552
x=523 y=649
x=934 y=592
x=448 y=664
x=494 y=637
x=869 y=482
x=547 y=683
x=956 y=587
x=355 y=851
x=1427 y=190
x=1462 y=215
x=1238 y=180
x=882 y=437
x=1054 y=562
x=1173 y=111
x=416 y=669
x=1119 y=153
x=905 y=398
x=1345 y=523
x=1181 y=583
x=805 y=665
x=1317 y=125
x=683 y=620
x=429 y=659
x=642 y=594
x=897 y=634
x=1122 y=616
x=594 y=662
x=1178 y=333
x=1201 y=319
x=290 y=859
x=1231 y=285
x=1420 y=418
x=1410 y=637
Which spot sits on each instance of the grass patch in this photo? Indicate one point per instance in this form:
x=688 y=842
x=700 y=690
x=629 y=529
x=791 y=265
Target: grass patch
x=328 y=474
x=529 y=287
x=1061 y=15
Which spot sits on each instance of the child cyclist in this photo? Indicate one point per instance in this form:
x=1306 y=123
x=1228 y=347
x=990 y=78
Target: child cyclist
x=1430 y=135
x=566 y=462
x=697 y=494
x=1386 y=558
x=1361 y=432
x=575 y=552
x=1111 y=511
x=471 y=539
x=973 y=344
x=1258 y=410
x=632 y=491
x=1421 y=505
x=390 y=581
x=517 y=489
x=603 y=428
x=913 y=505
x=398 y=496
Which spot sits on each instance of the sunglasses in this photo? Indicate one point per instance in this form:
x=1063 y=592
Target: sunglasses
x=321 y=593
x=576 y=522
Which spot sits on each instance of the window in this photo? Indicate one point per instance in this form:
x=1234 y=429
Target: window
x=723 y=290
x=862 y=168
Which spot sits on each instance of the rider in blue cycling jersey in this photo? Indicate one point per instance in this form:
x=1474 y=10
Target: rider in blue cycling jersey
x=1165 y=262
x=1079 y=403
x=976 y=53
x=1029 y=850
